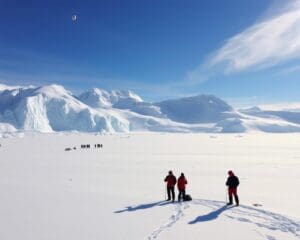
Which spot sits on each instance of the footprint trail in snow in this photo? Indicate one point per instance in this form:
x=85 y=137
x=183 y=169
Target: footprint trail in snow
x=265 y=221
x=177 y=214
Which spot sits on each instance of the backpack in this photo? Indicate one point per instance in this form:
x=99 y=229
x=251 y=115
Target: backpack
x=187 y=197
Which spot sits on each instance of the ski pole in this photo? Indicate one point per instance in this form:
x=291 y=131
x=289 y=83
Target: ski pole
x=165 y=191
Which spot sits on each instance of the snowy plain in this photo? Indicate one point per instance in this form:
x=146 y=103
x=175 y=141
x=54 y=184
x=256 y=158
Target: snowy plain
x=117 y=192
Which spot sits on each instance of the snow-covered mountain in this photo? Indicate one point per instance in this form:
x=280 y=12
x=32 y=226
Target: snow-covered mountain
x=292 y=115
x=98 y=98
x=52 y=108
x=198 y=109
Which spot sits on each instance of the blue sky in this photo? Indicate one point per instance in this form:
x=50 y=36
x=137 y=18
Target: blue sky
x=246 y=52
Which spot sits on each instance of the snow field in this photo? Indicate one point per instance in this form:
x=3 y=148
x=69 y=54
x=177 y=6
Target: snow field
x=117 y=192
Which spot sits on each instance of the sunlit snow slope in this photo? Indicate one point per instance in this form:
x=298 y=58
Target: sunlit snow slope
x=52 y=108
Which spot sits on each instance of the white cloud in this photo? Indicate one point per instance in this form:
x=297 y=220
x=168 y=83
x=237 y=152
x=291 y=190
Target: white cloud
x=267 y=43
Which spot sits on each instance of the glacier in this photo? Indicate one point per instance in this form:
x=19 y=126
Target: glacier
x=52 y=108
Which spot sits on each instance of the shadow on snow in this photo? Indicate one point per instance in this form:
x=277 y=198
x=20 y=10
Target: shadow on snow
x=210 y=216
x=143 y=206
x=260 y=218
x=246 y=214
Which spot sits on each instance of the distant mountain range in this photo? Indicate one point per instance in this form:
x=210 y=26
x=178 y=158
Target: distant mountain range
x=52 y=108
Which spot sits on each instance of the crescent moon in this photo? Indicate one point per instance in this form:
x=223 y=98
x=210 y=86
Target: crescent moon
x=74 y=18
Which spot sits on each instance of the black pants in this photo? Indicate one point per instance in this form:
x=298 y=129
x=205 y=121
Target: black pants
x=181 y=194
x=171 y=191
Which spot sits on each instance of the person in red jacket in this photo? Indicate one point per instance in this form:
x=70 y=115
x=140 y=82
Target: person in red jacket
x=170 y=179
x=181 y=187
x=232 y=183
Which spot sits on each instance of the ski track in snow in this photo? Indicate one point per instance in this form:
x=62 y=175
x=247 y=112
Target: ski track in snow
x=262 y=219
x=177 y=214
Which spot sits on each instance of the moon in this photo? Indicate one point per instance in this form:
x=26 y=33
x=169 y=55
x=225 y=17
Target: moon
x=74 y=17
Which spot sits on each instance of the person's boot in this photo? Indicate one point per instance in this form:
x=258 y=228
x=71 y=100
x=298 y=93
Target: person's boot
x=169 y=195
x=236 y=198
x=230 y=200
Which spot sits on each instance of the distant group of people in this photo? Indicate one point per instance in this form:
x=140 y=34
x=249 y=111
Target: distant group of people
x=232 y=183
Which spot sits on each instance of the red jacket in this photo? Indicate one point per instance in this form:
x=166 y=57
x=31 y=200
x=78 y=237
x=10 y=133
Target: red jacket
x=181 y=183
x=171 y=180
